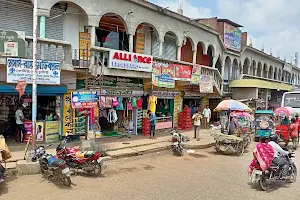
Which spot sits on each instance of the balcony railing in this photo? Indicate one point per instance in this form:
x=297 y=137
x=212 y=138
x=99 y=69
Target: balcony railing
x=100 y=54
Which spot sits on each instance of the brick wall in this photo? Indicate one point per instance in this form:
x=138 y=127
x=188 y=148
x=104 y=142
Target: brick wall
x=220 y=29
x=210 y=22
x=244 y=38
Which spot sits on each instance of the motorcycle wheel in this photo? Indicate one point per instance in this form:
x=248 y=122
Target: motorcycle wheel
x=43 y=166
x=263 y=183
x=67 y=181
x=179 y=151
x=98 y=168
x=217 y=147
x=240 y=148
x=293 y=174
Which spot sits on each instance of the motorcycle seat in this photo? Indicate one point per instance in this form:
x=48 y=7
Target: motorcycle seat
x=85 y=154
x=55 y=162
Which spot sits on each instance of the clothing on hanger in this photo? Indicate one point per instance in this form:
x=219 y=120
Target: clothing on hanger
x=120 y=104
x=115 y=102
x=145 y=102
x=133 y=102
x=102 y=102
x=112 y=116
x=139 y=102
x=129 y=105
x=152 y=101
x=108 y=102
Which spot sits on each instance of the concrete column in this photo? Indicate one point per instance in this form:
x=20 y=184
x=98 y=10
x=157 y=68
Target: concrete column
x=93 y=42
x=131 y=43
x=179 y=53
x=255 y=71
x=42 y=35
x=266 y=99
x=161 y=46
x=194 y=56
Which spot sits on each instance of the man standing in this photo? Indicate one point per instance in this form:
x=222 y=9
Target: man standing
x=20 y=125
x=207 y=116
x=197 y=123
x=152 y=124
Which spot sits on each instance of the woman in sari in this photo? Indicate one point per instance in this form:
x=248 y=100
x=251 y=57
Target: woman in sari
x=264 y=154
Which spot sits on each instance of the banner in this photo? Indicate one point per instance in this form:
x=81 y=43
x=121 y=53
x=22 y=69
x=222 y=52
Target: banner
x=163 y=75
x=85 y=99
x=48 y=72
x=206 y=84
x=195 y=80
x=67 y=115
x=39 y=131
x=182 y=72
x=232 y=37
x=51 y=131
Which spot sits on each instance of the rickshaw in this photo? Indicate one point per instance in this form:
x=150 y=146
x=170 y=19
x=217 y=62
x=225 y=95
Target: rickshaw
x=263 y=123
x=282 y=129
x=233 y=144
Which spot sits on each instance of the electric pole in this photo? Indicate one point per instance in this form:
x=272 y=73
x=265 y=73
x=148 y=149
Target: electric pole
x=34 y=75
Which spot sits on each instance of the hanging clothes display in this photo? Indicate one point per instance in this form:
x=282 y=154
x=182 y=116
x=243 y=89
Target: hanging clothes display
x=112 y=116
x=120 y=104
x=108 y=102
x=145 y=102
x=102 y=102
x=139 y=103
x=129 y=105
x=152 y=101
x=115 y=102
x=133 y=102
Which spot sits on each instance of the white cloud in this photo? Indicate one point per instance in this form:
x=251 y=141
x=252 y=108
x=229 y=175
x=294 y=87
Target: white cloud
x=270 y=23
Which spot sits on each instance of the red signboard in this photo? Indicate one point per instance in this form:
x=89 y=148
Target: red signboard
x=182 y=72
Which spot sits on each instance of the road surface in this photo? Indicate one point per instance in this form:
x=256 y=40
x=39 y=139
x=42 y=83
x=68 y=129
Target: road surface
x=202 y=175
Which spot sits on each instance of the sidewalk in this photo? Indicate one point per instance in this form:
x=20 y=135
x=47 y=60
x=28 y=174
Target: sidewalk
x=121 y=147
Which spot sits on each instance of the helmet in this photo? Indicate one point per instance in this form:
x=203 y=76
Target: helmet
x=263 y=139
x=274 y=138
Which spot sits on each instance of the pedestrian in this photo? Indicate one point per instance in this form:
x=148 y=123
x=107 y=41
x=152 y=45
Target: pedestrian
x=20 y=125
x=197 y=123
x=207 y=116
x=294 y=132
x=152 y=124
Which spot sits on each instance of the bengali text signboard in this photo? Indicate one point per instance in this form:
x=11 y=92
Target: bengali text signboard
x=163 y=75
x=206 y=84
x=232 y=37
x=84 y=99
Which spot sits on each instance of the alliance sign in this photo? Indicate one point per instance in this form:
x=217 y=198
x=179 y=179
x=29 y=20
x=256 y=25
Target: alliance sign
x=130 y=61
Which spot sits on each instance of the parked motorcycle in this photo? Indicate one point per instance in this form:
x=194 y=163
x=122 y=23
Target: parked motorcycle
x=2 y=170
x=177 y=142
x=266 y=178
x=89 y=161
x=55 y=168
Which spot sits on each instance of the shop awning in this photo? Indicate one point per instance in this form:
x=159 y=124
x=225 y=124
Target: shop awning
x=42 y=90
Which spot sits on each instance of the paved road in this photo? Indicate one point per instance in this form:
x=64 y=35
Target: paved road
x=203 y=175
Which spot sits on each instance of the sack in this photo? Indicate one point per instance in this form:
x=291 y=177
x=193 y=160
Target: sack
x=6 y=154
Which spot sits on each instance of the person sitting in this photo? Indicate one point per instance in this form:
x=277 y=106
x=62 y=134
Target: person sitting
x=285 y=121
x=279 y=156
x=232 y=127
x=263 y=154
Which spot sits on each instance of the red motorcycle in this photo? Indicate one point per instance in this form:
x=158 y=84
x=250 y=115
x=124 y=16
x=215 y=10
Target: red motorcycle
x=89 y=161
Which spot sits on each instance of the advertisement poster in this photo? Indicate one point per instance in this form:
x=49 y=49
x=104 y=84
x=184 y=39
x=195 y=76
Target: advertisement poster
x=51 y=131
x=130 y=61
x=195 y=80
x=11 y=48
x=182 y=72
x=84 y=99
x=232 y=37
x=28 y=127
x=206 y=84
x=12 y=43
x=48 y=72
x=111 y=40
x=67 y=115
x=40 y=131
x=140 y=42
x=163 y=75
x=84 y=45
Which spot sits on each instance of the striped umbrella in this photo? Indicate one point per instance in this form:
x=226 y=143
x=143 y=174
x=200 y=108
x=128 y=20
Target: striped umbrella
x=232 y=105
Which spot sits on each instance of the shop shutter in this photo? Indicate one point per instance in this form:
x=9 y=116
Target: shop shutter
x=169 y=48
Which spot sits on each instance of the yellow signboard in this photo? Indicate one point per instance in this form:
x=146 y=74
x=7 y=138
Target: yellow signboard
x=67 y=115
x=84 y=45
x=140 y=43
x=52 y=131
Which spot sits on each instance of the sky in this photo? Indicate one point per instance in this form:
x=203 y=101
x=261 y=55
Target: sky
x=272 y=24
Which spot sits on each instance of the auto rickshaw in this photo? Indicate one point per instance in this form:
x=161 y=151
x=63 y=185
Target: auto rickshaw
x=281 y=128
x=264 y=123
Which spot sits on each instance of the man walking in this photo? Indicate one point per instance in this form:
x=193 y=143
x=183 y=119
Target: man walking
x=152 y=124
x=20 y=125
x=197 y=123
x=207 y=116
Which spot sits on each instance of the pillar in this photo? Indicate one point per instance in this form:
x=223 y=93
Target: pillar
x=266 y=99
x=42 y=35
x=161 y=46
x=179 y=53
x=255 y=71
x=194 y=56
x=131 y=43
x=93 y=42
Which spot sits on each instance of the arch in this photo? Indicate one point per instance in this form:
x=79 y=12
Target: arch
x=219 y=65
x=265 y=71
x=235 y=66
x=253 y=68
x=271 y=72
x=298 y=80
x=226 y=75
x=200 y=53
x=211 y=55
x=174 y=35
x=275 y=74
x=170 y=45
x=246 y=66
x=187 y=50
x=120 y=20
x=259 y=69
x=279 y=75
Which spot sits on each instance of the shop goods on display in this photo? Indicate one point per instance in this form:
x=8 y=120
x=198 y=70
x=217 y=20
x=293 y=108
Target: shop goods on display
x=185 y=120
x=146 y=126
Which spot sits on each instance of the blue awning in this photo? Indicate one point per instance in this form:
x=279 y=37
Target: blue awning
x=42 y=90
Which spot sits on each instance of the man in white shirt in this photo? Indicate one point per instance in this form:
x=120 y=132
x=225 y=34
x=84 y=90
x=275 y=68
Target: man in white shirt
x=197 y=123
x=279 y=156
x=20 y=125
x=207 y=116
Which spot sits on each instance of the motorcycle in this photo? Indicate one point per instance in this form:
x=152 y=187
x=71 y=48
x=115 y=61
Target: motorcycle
x=266 y=178
x=55 y=168
x=177 y=142
x=89 y=161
